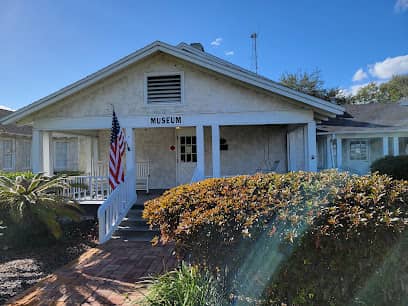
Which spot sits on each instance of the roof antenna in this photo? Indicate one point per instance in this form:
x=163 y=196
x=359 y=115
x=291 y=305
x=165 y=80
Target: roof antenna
x=254 y=56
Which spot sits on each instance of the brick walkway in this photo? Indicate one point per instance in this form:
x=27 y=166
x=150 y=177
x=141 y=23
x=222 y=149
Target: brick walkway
x=105 y=275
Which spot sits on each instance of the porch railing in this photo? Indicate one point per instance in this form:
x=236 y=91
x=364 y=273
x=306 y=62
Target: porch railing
x=116 y=207
x=88 y=188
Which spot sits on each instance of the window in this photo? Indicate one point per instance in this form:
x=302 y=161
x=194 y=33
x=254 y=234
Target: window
x=164 y=88
x=8 y=154
x=66 y=155
x=26 y=154
x=188 y=149
x=61 y=155
x=358 y=150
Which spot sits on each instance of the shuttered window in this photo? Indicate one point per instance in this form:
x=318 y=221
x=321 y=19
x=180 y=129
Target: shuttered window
x=66 y=155
x=164 y=89
x=26 y=155
x=8 y=154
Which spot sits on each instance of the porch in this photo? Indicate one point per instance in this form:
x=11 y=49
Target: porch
x=355 y=152
x=164 y=157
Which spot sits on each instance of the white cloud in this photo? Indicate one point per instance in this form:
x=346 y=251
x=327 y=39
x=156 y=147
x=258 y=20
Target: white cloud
x=389 y=67
x=6 y=108
x=401 y=5
x=359 y=75
x=216 y=42
x=229 y=53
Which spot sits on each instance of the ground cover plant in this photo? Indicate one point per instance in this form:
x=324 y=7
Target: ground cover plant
x=185 y=286
x=302 y=238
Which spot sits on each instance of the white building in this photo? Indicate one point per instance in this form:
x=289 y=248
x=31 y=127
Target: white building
x=187 y=115
x=365 y=133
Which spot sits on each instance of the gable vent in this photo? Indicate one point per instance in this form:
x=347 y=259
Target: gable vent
x=164 y=89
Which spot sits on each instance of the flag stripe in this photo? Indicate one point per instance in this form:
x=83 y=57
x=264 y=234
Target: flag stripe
x=117 y=149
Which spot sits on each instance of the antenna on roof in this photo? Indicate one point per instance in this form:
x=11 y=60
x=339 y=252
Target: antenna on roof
x=254 y=56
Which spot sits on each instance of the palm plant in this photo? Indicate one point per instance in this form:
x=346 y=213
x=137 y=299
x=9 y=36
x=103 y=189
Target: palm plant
x=37 y=200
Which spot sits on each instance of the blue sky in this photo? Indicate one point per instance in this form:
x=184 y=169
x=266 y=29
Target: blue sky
x=45 y=45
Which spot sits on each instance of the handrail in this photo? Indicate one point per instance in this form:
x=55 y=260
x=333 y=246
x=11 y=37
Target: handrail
x=116 y=207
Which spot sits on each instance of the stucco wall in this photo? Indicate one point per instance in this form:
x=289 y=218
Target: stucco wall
x=205 y=92
x=248 y=148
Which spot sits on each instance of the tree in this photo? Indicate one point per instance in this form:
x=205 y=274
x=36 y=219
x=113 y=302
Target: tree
x=396 y=88
x=392 y=91
x=370 y=93
x=312 y=84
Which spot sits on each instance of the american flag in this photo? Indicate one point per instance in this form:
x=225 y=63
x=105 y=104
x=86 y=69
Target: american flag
x=117 y=148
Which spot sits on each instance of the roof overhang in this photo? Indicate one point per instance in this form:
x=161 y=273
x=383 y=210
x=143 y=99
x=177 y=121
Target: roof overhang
x=323 y=108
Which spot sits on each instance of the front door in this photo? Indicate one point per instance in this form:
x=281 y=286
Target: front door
x=186 y=154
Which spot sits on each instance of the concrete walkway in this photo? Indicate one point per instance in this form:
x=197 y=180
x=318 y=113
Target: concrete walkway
x=105 y=275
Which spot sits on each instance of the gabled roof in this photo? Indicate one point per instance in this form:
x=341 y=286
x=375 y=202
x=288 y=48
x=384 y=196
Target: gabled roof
x=368 y=118
x=190 y=54
x=13 y=129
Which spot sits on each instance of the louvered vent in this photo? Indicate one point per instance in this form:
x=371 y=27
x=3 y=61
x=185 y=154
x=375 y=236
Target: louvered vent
x=164 y=88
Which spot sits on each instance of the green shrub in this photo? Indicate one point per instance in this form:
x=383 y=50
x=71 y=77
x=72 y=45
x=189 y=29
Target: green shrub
x=33 y=207
x=296 y=238
x=14 y=175
x=185 y=286
x=394 y=166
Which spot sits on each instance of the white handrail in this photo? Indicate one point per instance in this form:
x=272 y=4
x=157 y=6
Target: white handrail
x=116 y=207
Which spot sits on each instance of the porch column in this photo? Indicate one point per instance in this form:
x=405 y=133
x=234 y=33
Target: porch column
x=215 y=138
x=48 y=168
x=329 y=156
x=385 y=146
x=36 y=151
x=311 y=146
x=200 y=152
x=339 y=152
x=395 y=143
x=130 y=155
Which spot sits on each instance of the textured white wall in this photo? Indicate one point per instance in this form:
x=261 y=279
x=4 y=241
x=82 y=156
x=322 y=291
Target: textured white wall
x=205 y=92
x=248 y=148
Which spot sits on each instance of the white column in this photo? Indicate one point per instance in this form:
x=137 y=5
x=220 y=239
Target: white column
x=215 y=138
x=95 y=156
x=46 y=154
x=395 y=143
x=36 y=151
x=329 y=156
x=311 y=146
x=200 y=152
x=339 y=152
x=130 y=156
x=385 y=146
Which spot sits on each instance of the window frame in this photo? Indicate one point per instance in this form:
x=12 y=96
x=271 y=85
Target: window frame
x=168 y=73
x=360 y=141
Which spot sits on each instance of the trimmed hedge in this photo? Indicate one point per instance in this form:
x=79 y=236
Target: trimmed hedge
x=299 y=238
x=395 y=166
